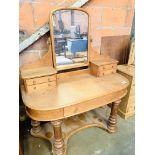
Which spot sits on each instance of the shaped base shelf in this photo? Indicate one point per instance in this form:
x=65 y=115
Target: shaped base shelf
x=72 y=125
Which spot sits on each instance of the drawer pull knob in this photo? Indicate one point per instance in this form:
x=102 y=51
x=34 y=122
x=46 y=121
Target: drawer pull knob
x=34 y=87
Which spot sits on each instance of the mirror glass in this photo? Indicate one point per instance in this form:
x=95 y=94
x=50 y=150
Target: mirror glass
x=70 y=36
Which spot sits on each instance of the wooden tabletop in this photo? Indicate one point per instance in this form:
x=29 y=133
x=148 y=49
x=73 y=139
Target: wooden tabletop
x=74 y=90
x=42 y=71
x=104 y=61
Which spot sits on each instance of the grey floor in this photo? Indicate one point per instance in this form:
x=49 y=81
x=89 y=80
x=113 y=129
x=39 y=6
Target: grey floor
x=91 y=141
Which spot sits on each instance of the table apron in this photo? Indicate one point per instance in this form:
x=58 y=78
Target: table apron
x=68 y=111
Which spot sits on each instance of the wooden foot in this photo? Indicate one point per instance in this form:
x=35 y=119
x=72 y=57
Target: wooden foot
x=58 y=140
x=35 y=126
x=112 y=122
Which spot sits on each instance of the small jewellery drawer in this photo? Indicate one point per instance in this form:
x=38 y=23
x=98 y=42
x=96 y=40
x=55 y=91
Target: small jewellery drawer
x=101 y=67
x=40 y=87
x=109 y=66
x=106 y=72
x=40 y=80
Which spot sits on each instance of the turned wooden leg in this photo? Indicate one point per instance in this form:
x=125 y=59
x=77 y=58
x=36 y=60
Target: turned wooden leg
x=112 y=122
x=35 y=126
x=58 y=140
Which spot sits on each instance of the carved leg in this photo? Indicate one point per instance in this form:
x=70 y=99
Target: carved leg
x=58 y=140
x=35 y=126
x=112 y=122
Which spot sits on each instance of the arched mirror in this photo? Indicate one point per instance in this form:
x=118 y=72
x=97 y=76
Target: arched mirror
x=70 y=38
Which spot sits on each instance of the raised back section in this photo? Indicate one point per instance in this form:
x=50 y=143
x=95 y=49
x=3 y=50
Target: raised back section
x=46 y=60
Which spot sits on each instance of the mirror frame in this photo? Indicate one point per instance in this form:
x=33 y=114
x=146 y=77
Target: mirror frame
x=52 y=39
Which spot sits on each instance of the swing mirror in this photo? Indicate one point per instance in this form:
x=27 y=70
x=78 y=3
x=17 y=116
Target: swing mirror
x=69 y=30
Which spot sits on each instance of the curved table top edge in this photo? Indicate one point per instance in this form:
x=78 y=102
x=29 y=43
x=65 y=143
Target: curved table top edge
x=48 y=115
x=63 y=106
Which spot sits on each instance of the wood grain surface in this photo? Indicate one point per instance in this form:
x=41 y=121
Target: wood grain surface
x=75 y=95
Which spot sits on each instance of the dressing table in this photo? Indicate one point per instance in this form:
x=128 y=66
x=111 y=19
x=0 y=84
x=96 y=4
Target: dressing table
x=61 y=93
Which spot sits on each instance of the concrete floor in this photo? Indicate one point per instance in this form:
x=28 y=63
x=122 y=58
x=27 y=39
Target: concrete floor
x=91 y=141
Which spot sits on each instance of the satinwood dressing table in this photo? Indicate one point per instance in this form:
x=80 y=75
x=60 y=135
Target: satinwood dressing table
x=60 y=91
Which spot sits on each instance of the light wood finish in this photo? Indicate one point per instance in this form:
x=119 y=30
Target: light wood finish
x=94 y=54
x=39 y=79
x=37 y=72
x=92 y=104
x=46 y=60
x=71 y=66
x=103 y=66
x=127 y=106
x=113 y=117
x=66 y=75
x=45 y=115
x=58 y=140
x=105 y=62
x=40 y=87
x=76 y=92
x=72 y=125
x=131 y=60
x=61 y=67
x=127 y=69
x=71 y=93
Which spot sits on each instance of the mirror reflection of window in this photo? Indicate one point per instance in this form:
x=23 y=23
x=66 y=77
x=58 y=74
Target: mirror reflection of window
x=70 y=28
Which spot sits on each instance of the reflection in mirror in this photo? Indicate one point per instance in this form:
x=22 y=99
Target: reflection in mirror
x=70 y=28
